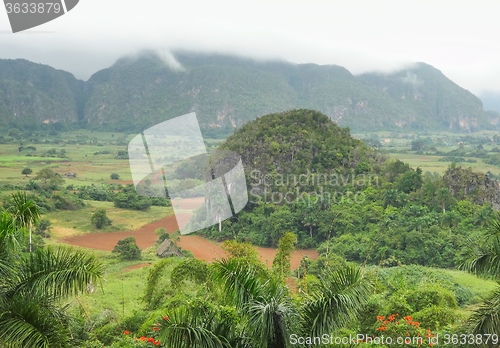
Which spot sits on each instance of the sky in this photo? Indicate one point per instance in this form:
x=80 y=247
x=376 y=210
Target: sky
x=459 y=38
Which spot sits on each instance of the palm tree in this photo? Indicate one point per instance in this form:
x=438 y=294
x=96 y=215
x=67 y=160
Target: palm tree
x=443 y=196
x=199 y=325
x=451 y=219
x=482 y=257
x=336 y=301
x=483 y=214
x=390 y=197
x=25 y=212
x=9 y=244
x=33 y=286
x=266 y=312
x=310 y=221
x=262 y=300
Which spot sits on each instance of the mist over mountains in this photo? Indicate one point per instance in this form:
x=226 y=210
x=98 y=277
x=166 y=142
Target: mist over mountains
x=225 y=92
x=491 y=101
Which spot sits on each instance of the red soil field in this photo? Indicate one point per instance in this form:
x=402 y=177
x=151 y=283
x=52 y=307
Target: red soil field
x=144 y=236
x=201 y=248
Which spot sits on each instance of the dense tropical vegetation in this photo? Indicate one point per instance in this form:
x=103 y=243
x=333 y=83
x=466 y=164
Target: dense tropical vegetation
x=347 y=199
x=35 y=284
x=387 y=253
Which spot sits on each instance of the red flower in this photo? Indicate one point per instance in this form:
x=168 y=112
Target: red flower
x=126 y=332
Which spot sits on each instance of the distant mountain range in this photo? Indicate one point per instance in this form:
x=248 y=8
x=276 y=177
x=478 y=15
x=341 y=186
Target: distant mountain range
x=226 y=91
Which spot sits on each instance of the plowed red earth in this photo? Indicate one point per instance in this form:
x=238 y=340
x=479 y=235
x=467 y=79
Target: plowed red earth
x=201 y=248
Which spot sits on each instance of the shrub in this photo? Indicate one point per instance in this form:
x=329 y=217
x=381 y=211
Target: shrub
x=128 y=249
x=66 y=201
x=43 y=228
x=405 y=329
x=100 y=219
x=115 y=176
x=162 y=234
x=435 y=317
x=131 y=200
x=187 y=253
x=27 y=171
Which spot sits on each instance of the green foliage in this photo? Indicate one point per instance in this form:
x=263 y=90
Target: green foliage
x=99 y=218
x=192 y=269
x=126 y=197
x=114 y=176
x=122 y=154
x=153 y=295
x=49 y=178
x=128 y=249
x=362 y=168
x=43 y=228
x=33 y=287
x=270 y=315
x=410 y=181
x=200 y=324
x=27 y=171
x=160 y=231
x=162 y=234
x=281 y=262
x=65 y=201
x=435 y=317
x=129 y=199
x=244 y=251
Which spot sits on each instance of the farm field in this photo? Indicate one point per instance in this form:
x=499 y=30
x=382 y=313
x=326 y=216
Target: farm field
x=93 y=161
x=120 y=296
x=202 y=248
x=399 y=146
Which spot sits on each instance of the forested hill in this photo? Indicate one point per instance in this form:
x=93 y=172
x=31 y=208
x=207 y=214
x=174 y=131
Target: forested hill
x=32 y=92
x=308 y=176
x=227 y=91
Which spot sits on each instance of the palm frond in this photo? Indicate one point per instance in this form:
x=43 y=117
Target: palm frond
x=486 y=318
x=190 y=327
x=336 y=301
x=59 y=271
x=271 y=318
x=9 y=245
x=239 y=281
x=24 y=210
x=481 y=255
x=32 y=322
